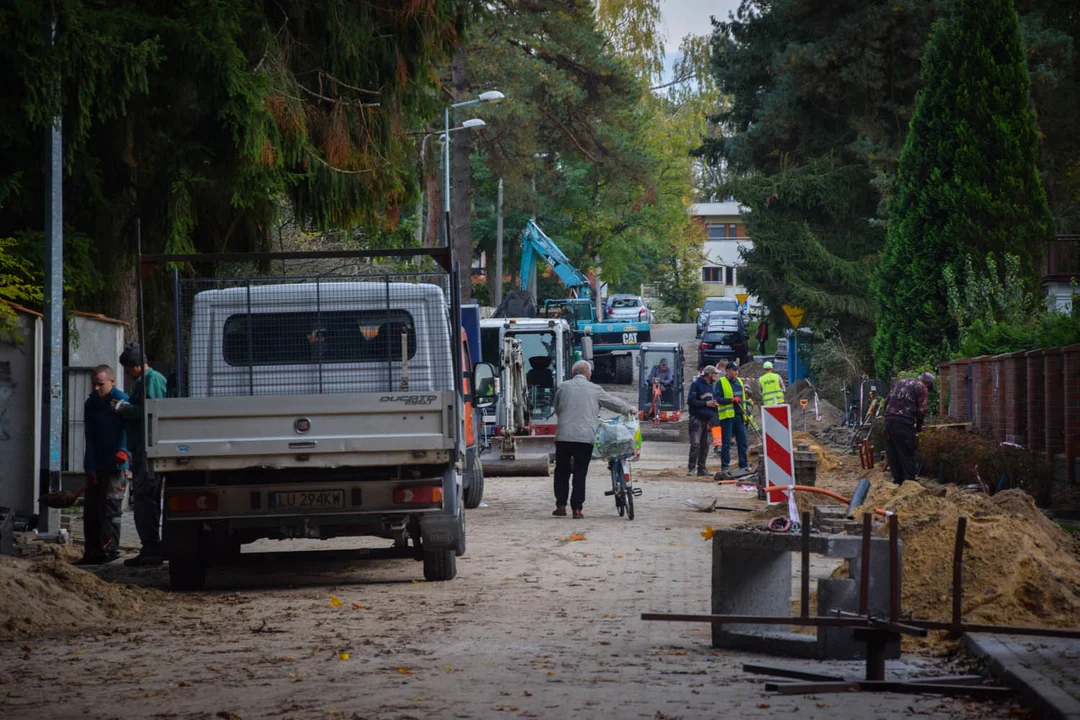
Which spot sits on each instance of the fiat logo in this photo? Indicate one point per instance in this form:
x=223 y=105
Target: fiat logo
x=302 y=425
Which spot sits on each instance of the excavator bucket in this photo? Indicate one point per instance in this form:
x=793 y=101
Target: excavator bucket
x=522 y=456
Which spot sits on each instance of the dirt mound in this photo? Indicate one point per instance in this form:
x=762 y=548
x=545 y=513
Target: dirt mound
x=49 y=594
x=830 y=415
x=1020 y=568
x=828 y=460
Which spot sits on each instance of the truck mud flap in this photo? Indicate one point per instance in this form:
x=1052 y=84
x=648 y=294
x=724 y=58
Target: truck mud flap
x=440 y=532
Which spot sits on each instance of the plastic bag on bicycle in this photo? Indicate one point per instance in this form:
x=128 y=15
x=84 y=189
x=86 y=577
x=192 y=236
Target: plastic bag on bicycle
x=618 y=437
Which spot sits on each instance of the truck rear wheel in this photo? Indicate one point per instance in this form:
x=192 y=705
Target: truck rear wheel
x=624 y=370
x=474 y=491
x=187 y=572
x=440 y=565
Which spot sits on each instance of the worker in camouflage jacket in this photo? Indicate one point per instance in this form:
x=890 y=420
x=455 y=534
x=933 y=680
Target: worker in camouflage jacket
x=905 y=411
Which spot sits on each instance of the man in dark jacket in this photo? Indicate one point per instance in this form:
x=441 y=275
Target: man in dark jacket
x=105 y=462
x=145 y=485
x=905 y=410
x=702 y=403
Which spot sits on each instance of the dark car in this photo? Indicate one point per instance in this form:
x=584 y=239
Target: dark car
x=723 y=339
x=711 y=305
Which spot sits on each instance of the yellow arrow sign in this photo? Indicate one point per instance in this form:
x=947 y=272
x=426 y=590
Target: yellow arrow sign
x=794 y=314
x=741 y=297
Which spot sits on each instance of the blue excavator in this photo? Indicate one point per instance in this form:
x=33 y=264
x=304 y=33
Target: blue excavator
x=612 y=342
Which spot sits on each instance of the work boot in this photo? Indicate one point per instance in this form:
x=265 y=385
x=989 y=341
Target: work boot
x=147 y=558
x=578 y=515
x=702 y=473
x=690 y=472
x=90 y=560
x=560 y=511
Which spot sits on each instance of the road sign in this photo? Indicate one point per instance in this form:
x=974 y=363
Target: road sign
x=741 y=297
x=779 y=459
x=794 y=314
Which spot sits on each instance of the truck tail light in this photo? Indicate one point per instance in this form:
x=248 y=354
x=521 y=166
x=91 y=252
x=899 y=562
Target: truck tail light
x=544 y=429
x=193 y=502
x=428 y=495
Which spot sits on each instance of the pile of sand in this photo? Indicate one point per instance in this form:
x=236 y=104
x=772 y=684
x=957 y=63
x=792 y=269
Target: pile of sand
x=828 y=460
x=48 y=594
x=1020 y=568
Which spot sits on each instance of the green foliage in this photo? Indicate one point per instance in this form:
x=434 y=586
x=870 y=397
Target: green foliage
x=816 y=102
x=967 y=180
x=22 y=273
x=201 y=118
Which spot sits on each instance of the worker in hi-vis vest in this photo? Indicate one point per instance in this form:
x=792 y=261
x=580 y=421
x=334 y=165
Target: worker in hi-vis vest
x=772 y=386
x=730 y=412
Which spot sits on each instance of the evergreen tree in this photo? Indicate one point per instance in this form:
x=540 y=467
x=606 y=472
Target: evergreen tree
x=967 y=180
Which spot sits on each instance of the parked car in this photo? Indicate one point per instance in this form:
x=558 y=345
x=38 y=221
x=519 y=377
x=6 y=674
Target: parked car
x=713 y=304
x=724 y=339
x=627 y=307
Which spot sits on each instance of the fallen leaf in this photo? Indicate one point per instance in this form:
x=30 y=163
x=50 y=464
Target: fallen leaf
x=618 y=557
x=527 y=693
x=418 y=698
x=181 y=684
x=588 y=555
x=574 y=537
x=404 y=671
x=357 y=606
x=418 y=582
x=551 y=672
x=825 y=705
x=343 y=656
x=764 y=705
x=449 y=668
x=708 y=532
x=675 y=544
x=335 y=601
x=489 y=663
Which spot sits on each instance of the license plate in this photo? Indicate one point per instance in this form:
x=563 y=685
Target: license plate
x=308 y=500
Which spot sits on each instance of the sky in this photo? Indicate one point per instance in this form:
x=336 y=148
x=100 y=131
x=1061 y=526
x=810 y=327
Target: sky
x=682 y=17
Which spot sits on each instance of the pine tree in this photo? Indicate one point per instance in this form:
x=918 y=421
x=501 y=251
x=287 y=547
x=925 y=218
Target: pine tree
x=967 y=180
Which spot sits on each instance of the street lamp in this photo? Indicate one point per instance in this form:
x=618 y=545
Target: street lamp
x=490 y=96
x=470 y=124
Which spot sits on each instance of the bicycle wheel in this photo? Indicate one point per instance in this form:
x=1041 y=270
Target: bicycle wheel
x=617 y=486
x=629 y=504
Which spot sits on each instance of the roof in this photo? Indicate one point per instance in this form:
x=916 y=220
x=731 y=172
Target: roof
x=99 y=316
x=728 y=208
x=25 y=310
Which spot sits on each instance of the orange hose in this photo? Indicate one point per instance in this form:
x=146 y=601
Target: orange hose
x=827 y=493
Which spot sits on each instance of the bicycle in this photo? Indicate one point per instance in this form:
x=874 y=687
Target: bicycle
x=622 y=487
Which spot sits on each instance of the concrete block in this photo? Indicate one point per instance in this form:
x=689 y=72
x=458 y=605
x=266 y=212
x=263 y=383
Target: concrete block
x=756 y=583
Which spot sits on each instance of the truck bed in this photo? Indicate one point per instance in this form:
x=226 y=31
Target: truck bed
x=347 y=430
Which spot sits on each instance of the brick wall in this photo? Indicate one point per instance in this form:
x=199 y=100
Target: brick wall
x=981 y=394
x=1015 y=401
x=1054 y=403
x=1071 y=396
x=944 y=384
x=959 y=407
x=1036 y=411
x=999 y=390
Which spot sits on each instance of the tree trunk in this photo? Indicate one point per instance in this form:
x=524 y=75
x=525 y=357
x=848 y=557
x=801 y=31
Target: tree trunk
x=460 y=202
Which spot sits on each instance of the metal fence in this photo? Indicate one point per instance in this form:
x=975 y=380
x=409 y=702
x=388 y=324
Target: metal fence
x=314 y=335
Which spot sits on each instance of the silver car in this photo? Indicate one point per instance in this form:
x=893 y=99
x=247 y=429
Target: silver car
x=628 y=308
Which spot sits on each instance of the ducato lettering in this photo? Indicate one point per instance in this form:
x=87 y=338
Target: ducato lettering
x=409 y=399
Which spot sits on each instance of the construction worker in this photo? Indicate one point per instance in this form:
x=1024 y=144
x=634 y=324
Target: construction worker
x=762 y=334
x=772 y=386
x=105 y=462
x=701 y=399
x=145 y=485
x=729 y=397
x=905 y=410
x=663 y=374
x=577 y=403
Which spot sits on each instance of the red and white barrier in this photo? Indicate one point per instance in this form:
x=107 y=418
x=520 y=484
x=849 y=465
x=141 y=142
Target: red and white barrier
x=779 y=457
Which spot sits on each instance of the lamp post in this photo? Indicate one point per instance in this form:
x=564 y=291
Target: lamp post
x=467 y=125
x=491 y=96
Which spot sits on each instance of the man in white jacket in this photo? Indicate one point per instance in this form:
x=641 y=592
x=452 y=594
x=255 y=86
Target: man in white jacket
x=577 y=405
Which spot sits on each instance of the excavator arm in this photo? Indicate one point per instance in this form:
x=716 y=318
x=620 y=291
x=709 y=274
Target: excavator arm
x=536 y=245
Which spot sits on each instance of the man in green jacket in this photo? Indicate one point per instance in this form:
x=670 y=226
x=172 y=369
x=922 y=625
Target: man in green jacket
x=145 y=485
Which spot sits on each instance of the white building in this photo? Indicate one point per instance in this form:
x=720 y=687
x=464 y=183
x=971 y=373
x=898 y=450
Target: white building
x=725 y=235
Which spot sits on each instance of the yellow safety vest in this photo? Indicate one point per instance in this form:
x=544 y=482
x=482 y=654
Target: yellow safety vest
x=772 y=389
x=726 y=411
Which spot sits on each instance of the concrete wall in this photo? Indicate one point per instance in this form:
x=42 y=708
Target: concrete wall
x=20 y=414
x=1030 y=398
x=94 y=341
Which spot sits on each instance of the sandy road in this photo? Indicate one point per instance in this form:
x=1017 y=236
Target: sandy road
x=534 y=626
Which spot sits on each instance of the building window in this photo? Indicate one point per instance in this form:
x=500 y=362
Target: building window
x=716 y=231
x=729 y=273
x=712 y=274
x=731 y=231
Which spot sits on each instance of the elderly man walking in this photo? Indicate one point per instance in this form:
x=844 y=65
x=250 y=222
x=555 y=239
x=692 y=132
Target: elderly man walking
x=577 y=405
